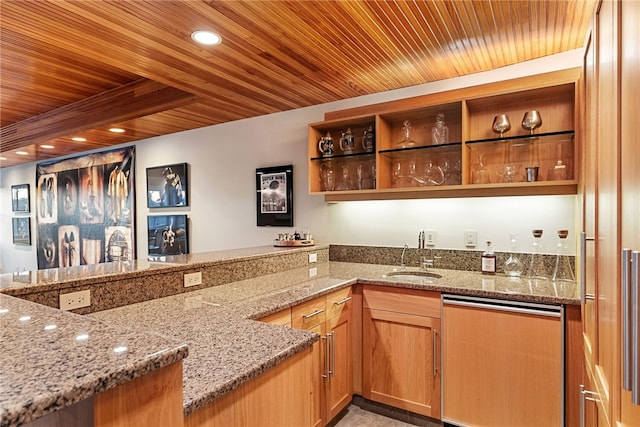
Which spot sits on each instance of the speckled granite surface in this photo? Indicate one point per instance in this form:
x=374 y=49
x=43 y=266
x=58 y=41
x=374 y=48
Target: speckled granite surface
x=123 y=283
x=450 y=259
x=51 y=359
x=227 y=348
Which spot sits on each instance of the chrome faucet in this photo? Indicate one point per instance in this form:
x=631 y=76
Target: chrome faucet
x=402 y=264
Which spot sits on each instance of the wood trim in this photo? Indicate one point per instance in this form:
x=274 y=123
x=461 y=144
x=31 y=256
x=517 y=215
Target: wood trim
x=153 y=399
x=407 y=301
x=140 y=98
x=574 y=363
x=540 y=188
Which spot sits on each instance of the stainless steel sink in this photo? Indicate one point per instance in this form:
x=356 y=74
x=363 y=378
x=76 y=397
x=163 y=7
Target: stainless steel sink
x=409 y=274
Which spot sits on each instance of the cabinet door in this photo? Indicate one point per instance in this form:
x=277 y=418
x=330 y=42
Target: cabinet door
x=605 y=364
x=318 y=374
x=339 y=391
x=630 y=196
x=400 y=363
x=501 y=367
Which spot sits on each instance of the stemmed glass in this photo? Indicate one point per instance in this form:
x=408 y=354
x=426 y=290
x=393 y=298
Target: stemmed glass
x=501 y=124
x=531 y=121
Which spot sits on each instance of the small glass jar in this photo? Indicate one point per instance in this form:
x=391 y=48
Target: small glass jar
x=563 y=271
x=513 y=267
x=537 y=269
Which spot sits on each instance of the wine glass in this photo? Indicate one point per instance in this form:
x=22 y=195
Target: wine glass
x=501 y=124
x=531 y=120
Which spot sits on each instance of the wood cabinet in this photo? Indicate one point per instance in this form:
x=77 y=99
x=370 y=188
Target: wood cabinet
x=282 y=318
x=400 y=348
x=611 y=213
x=278 y=397
x=502 y=363
x=406 y=163
x=331 y=317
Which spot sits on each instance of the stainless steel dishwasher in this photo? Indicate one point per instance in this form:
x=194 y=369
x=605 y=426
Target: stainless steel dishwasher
x=502 y=362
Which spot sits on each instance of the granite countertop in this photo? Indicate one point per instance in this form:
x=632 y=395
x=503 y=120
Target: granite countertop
x=51 y=359
x=58 y=278
x=227 y=348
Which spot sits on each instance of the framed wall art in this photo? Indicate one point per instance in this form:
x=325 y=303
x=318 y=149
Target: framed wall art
x=168 y=235
x=22 y=231
x=20 y=198
x=274 y=188
x=167 y=186
x=85 y=209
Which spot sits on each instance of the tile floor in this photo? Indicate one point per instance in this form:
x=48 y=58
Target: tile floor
x=358 y=417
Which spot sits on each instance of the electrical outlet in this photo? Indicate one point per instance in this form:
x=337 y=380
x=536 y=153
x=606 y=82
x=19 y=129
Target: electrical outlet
x=193 y=279
x=430 y=237
x=313 y=271
x=313 y=257
x=74 y=300
x=470 y=238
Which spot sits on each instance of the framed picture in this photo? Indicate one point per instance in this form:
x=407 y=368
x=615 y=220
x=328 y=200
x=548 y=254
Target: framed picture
x=274 y=188
x=167 y=186
x=22 y=231
x=168 y=235
x=85 y=209
x=20 y=198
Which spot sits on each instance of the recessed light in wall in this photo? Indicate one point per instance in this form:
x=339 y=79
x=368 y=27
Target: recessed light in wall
x=206 y=37
x=47 y=146
x=116 y=130
x=22 y=153
x=3 y=158
x=78 y=139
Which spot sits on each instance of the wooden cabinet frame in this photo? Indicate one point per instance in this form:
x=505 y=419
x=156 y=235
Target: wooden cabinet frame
x=468 y=114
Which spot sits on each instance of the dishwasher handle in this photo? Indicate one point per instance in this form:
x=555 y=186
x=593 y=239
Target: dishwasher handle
x=509 y=306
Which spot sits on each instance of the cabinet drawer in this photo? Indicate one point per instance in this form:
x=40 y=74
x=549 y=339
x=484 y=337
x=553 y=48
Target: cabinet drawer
x=309 y=314
x=282 y=317
x=409 y=301
x=338 y=302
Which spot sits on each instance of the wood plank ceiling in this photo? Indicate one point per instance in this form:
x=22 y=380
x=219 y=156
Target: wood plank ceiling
x=77 y=68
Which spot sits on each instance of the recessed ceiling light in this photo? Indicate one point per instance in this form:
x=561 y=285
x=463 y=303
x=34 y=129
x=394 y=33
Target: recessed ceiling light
x=116 y=130
x=78 y=139
x=206 y=37
x=22 y=153
x=47 y=146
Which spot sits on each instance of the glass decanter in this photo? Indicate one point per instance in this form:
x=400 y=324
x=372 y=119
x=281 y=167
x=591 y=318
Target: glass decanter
x=537 y=269
x=440 y=132
x=406 y=130
x=480 y=173
x=563 y=271
x=513 y=267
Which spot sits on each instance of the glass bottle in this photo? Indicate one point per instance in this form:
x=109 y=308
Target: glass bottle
x=406 y=130
x=513 y=267
x=488 y=260
x=562 y=271
x=440 y=132
x=537 y=269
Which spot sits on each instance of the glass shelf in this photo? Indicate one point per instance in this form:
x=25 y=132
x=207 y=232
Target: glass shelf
x=527 y=139
x=342 y=156
x=412 y=151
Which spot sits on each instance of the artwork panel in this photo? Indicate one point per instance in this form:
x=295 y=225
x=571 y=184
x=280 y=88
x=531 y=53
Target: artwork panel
x=167 y=186
x=168 y=235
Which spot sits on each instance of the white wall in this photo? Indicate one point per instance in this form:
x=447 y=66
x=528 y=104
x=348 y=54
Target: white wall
x=223 y=159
